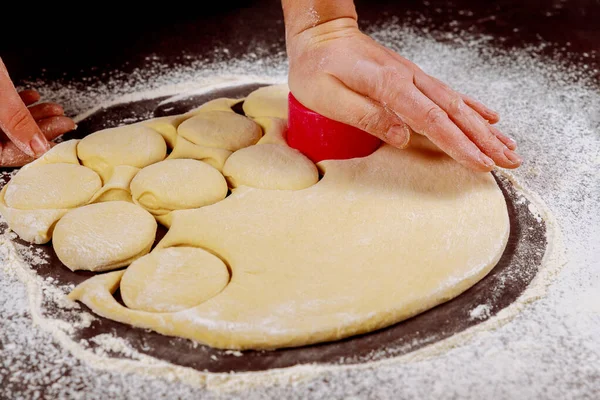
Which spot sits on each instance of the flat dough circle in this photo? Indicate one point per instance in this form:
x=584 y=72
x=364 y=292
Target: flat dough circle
x=268 y=101
x=270 y=166
x=52 y=186
x=378 y=240
x=135 y=145
x=220 y=129
x=177 y=184
x=103 y=236
x=174 y=279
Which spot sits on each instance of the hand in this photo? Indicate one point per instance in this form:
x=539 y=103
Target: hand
x=345 y=75
x=25 y=127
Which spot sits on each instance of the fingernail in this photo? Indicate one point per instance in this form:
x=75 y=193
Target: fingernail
x=512 y=143
x=485 y=160
x=39 y=145
x=399 y=135
x=512 y=157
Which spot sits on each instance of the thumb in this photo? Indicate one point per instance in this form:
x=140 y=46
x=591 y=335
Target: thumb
x=16 y=121
x=341 y=104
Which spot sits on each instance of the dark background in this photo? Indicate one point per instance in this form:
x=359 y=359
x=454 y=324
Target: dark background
x=59 y=42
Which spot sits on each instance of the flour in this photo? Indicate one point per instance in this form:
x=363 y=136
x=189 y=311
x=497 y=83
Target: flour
x=482 y=311
x=540 y=349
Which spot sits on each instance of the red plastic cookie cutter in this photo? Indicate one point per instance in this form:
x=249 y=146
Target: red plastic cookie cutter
x=320 y=138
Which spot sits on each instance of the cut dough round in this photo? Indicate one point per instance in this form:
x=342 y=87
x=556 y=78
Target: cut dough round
x=270 y=166
x=103 y=236
x=174 y=279
x=177 y=184
x=268 y=101
x=135 y=145
x=52 y=186
x=220 y=129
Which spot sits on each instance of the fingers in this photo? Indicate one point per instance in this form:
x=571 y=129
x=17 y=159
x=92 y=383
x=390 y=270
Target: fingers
x=363 y=113
x=389 y=83
x=490 y=115
x=50 y=119
x=11 y=156
x=29 y=96
x=398 y=92
x=487 y=113
x=55 y=126
x=469 y=121
x=509 y=142
x=425 y=117
x=45 y=110
x=16 y=120
x=51 y=127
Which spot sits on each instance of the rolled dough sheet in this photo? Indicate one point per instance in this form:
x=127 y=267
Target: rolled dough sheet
x=377 y=240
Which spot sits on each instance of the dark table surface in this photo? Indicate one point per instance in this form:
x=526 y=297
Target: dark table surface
x=55 y=43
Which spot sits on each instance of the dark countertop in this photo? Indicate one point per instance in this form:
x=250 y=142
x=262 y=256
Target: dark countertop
x=56 y=44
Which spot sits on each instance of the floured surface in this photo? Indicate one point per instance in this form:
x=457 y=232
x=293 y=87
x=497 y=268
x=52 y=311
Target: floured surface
x=553 y=339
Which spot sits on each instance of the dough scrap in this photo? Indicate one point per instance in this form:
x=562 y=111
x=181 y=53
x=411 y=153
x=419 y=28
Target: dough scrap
x=134 y=145
x=210 y=155
x=275 y=130
x=103 y=236
x=177 y=184
x=173 y=279
x=117 y=187
x=167 y=126
x=220 y=129
x=268 y=101
x=220 y=104
x=379 y=239
x=270 y=166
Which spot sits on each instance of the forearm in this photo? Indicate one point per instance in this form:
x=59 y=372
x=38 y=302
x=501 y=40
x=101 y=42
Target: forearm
x=300 y=15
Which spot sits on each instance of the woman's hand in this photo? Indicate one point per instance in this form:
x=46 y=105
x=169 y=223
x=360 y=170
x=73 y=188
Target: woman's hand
x=345 y=75
x=26 y=127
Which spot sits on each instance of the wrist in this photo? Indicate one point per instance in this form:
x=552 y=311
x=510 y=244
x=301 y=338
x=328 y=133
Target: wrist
x=302 y=15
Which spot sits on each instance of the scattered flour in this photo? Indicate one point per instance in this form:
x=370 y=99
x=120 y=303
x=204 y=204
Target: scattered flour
x=482 y=311
x=543 y=349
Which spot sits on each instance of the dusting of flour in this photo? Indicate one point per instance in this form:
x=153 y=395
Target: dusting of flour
x=540 y=349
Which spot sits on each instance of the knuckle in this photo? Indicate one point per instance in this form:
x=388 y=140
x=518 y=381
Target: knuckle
x=491 y=145
x=487 y=138
x=456 y=105
x=19 y=119
x=435 y=116
x=390 y=79
x=371 y=121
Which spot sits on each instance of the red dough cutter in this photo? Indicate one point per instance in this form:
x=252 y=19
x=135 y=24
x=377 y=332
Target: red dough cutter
x=320 y=138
